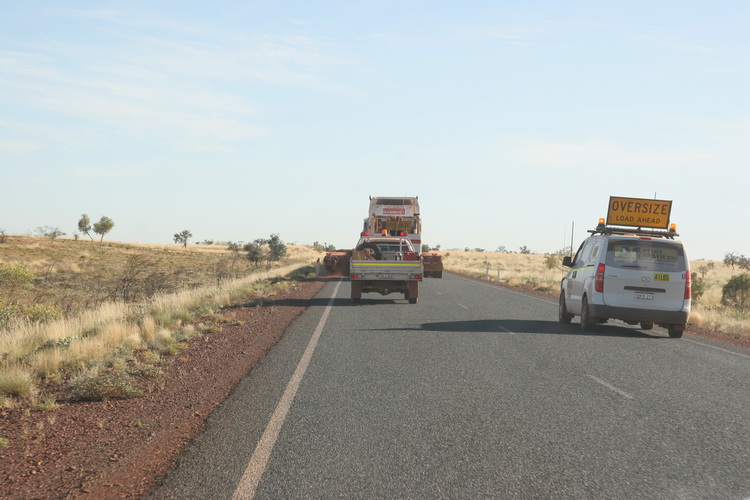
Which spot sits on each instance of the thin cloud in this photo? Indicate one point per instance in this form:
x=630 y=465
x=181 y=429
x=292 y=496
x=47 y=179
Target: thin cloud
x=19 y=146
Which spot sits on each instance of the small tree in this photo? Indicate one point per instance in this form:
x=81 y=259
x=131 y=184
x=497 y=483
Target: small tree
x=183 y=237
x=698 y=286
x=736 y=292
x=84 y=226
x=524 y=249
x=102 y=227
x=255 y=253
x=2 y=235
x=276 y=248
x=731 y=259
x=705 y=268
x=49 y=232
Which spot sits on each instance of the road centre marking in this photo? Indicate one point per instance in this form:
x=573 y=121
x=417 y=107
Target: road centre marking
x=463 y=306
x=610 y=387
x=259 y=460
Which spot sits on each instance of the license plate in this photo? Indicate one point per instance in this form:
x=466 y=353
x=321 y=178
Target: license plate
x=661 y=276
x=644 y=296
x=386 y=276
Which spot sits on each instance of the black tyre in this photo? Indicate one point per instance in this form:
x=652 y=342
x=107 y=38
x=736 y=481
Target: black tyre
x=647 y=325
x=413 y=301
x=674 y=333
x=563 y=316
x=587 y=323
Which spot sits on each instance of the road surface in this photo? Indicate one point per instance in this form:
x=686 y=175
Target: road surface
x=475 y=392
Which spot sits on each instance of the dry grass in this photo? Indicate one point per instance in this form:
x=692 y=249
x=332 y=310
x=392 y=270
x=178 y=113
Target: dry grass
x=530 y=271
x=97 y=348
x=527 y=270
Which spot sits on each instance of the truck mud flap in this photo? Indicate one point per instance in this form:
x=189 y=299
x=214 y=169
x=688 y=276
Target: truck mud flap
x=412 y=291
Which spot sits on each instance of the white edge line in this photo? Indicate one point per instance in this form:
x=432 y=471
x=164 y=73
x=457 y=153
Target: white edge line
x=463 y=306
x=259 y=460
x=610 y=387
x=506 y=330
x=717 y=348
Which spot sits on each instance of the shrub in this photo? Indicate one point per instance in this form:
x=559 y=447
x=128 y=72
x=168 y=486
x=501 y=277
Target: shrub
x=42 y=313
x=698 y=286
x=105 y=386
x=736 y=292
x=14 y=275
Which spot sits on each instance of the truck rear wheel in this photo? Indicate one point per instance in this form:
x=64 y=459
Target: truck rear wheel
x=356 y=292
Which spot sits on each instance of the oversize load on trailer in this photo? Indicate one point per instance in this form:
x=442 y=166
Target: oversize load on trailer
x=639 y=212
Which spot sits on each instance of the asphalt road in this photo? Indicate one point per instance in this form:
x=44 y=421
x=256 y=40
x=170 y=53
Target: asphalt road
x=475 y=392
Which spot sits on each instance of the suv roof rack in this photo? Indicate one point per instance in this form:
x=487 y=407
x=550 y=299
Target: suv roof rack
x=605 y=229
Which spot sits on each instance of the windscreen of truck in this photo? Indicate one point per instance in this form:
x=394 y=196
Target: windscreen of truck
x=648 y=255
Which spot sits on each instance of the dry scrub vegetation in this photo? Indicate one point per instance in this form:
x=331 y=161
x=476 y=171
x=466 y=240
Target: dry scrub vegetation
x=544 y=272
x=100 y=322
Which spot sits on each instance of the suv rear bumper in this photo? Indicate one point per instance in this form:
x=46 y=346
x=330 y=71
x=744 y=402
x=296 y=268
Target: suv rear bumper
x=632 y=314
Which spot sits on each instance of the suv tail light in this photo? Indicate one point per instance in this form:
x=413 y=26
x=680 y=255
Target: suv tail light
x=688 y=285
x=599 y=278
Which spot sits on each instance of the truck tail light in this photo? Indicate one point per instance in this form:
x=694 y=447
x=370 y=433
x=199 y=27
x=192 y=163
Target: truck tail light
x=354 y=276
x=599 y=278
x=688 y=285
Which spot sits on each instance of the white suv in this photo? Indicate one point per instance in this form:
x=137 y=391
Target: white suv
x=635 y=276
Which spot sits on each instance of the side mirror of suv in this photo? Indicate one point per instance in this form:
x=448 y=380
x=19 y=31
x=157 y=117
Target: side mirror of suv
x=567 y=261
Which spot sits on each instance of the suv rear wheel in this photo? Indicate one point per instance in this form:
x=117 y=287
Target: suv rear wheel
x=563 y=316
x=674 y=332
x=587 y=323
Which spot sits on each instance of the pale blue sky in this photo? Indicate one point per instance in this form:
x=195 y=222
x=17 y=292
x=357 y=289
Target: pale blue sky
x=509 y=120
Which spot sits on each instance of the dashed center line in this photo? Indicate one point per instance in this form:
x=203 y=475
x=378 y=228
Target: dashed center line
x=610 y=387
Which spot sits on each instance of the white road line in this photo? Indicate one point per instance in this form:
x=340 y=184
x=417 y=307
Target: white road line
x=610 y=387
x=463 y=306
x=258 y=462
x=717 y=348
x=506 y=330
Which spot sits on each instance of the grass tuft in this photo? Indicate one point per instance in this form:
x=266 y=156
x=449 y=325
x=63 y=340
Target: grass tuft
x=115 y=385
x=16 y=384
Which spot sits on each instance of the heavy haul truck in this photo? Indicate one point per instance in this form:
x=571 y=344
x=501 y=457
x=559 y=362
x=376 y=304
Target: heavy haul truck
x=396 y=217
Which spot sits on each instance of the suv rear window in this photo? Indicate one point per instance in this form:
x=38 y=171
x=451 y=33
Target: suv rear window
x=649 y=255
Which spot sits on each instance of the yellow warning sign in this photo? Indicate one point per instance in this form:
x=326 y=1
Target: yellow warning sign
x=639 y=212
